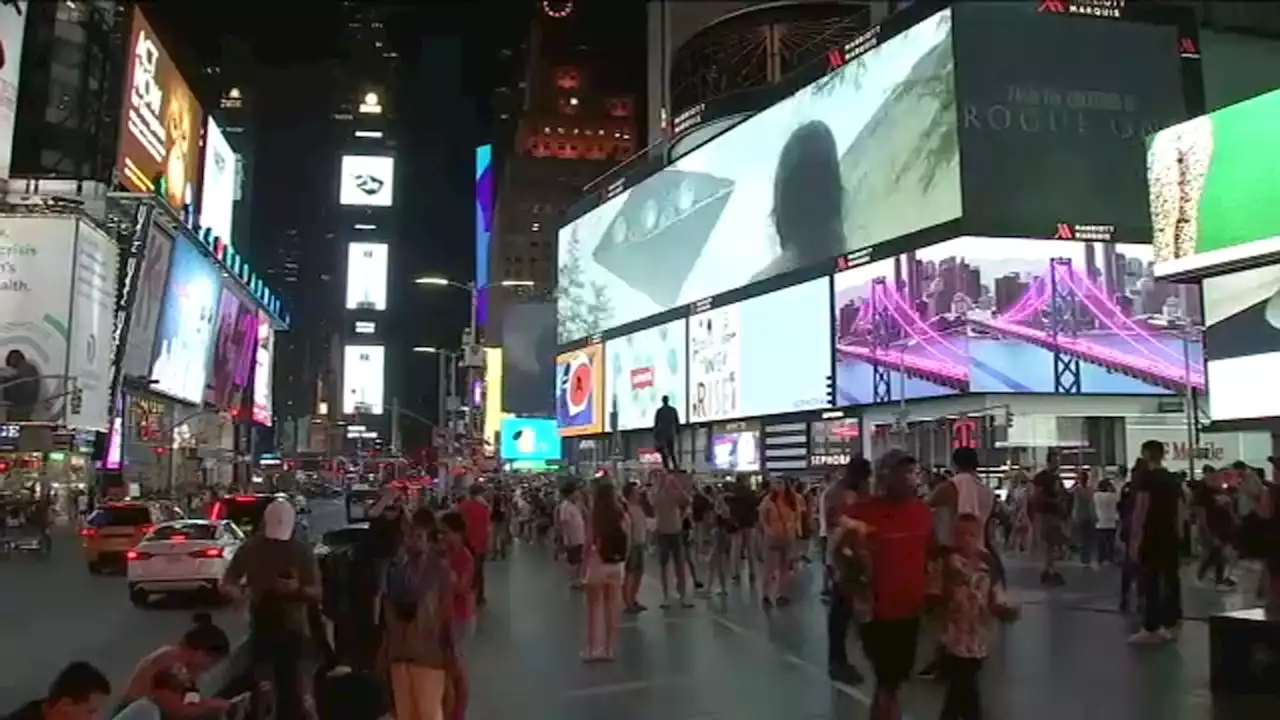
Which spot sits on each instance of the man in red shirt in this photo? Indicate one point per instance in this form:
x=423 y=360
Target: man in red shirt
x=476 y=512
x=900 y=528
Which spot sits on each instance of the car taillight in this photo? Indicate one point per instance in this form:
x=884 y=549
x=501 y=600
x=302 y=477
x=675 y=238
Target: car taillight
x=88 y=532
x=207 y=553
x=143 y=529
x=134 y=555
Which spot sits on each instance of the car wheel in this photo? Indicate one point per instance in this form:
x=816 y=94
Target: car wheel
x=139 y=597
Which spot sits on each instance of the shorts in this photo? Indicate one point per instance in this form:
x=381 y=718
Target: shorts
x=574 y=555
x=602 y=573
x=890 y=647
x=635 y=559
x=670 y=548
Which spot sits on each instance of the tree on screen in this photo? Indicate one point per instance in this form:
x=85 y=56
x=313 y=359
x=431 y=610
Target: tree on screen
x=583 y=305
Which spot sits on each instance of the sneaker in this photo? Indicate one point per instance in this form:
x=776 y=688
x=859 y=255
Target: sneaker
x=1148 y=637
x=686 y=603
x=665 y=605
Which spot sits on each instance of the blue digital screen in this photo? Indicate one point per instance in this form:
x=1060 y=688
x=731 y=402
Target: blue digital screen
x=529 y=439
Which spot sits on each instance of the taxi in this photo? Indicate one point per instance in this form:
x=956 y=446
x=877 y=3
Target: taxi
x=113 y=529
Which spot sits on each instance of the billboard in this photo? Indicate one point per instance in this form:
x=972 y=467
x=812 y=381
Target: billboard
x=1213 y=187
x=147 y=302
x=579 y=389
x=159 y=149
x=493 y=389
x=866 y=154
x=367 y=276
x=233 y=350
x=739 y=368
x=93 y=319
x=263 y=355
x=1242 y=338
x=13 y=22
x=523 y=438
x=1054 y=109
x=642 y=368
x=363 y=381
x=184 y=337
x=367 y=180
x=484 y=227
x=992 y=315
x=735 y=451
x=218 y=183
x=529 y=338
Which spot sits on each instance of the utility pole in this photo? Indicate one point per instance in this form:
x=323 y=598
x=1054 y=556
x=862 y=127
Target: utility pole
x=395 y=424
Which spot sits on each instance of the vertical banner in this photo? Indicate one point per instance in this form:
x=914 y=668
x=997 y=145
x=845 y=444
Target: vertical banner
x=13 y=20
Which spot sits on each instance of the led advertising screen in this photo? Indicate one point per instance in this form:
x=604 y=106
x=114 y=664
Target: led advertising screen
x=1242 y=335
x=580 y=391
x=1213 y=187
x=233 y=350
x=363 y=381
x=529 y=439
x=641 y=369
x=866 y=154
x=1054 y=109
x=529 y=338
x=13 y=23
x=367 y=276
x=148 y=300
x=990 y=315
x=738 y=367
x=484 y=227
x=263 y=355
x=735 y=451
x=159 y=149
x=367 y=180
x=184 y=338
x=218 y=183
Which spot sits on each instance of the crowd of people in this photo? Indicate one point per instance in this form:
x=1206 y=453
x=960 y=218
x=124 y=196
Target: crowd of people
x=905 y=554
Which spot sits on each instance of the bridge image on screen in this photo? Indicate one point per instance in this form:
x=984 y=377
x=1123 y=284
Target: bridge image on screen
x=1049 y=317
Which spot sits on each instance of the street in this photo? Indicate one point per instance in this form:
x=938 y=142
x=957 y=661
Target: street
x=53 y=612
x=728 y=660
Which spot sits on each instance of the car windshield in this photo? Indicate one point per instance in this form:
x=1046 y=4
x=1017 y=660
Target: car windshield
x=120 y=516
x=245 y=512
x=193 y=531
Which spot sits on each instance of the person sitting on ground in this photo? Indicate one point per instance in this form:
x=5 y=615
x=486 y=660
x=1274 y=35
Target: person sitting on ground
x=165 y=698
x=202 y=646
x=78 y=692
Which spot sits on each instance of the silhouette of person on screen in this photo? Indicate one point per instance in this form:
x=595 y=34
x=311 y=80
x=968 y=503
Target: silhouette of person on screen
x=808 y=200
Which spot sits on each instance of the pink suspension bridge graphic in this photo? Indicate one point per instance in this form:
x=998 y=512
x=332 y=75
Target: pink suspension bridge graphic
x=888 y=332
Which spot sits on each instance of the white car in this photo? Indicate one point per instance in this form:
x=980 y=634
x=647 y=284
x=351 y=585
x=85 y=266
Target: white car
x=184 y=556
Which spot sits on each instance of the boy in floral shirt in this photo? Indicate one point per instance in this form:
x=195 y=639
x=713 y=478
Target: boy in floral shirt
x=966 y=592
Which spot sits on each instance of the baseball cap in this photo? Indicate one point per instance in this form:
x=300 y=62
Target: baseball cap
x=893 y=459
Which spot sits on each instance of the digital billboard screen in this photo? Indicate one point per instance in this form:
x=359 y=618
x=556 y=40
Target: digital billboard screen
x=264 y=353
x=367 y=276
x=735 y=451
x=641 y=369
x=990 y=315
x=161 y=121
x=367 y=180
x=866 y=154
x=148 y=300
x=739 y=368
x=1242 y=338
x=13 y=23
x=1213 y=187
x=529 y=338
x=484 y=227
x=579 y=390
x=528 y=439
x=1054 y=109
x=363 y=379
x=218 y=183
x=233 y=350
x=184 y=337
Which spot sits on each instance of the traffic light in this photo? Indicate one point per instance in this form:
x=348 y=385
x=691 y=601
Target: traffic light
x=831 y=390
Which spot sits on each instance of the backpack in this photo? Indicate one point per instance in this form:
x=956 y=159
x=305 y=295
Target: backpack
x=612 y=545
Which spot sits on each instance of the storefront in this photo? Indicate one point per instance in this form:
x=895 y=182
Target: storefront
x=833 y=440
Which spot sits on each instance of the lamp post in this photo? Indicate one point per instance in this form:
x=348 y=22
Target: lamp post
x=1190 y=332
x=444 y=382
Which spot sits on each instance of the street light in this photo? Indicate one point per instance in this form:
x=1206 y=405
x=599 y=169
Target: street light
x=472 y=288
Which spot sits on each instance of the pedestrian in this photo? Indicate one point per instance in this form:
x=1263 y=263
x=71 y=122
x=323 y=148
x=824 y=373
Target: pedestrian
x=462 y=566
x=666 y=423
x=850 y=572
x=1154 y=546
x=671 y=499
x=1048 y=507
x=606 y=567
x=638 y=524
x=966 y=592
x=900 y=529
x=78 y=692
x=1084 y=519
x=1106 y=503
x=571 y=525
x=202 y=646
x=475 y=510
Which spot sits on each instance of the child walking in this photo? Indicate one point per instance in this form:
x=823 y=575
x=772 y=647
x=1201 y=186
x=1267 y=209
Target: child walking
x=966 y=592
